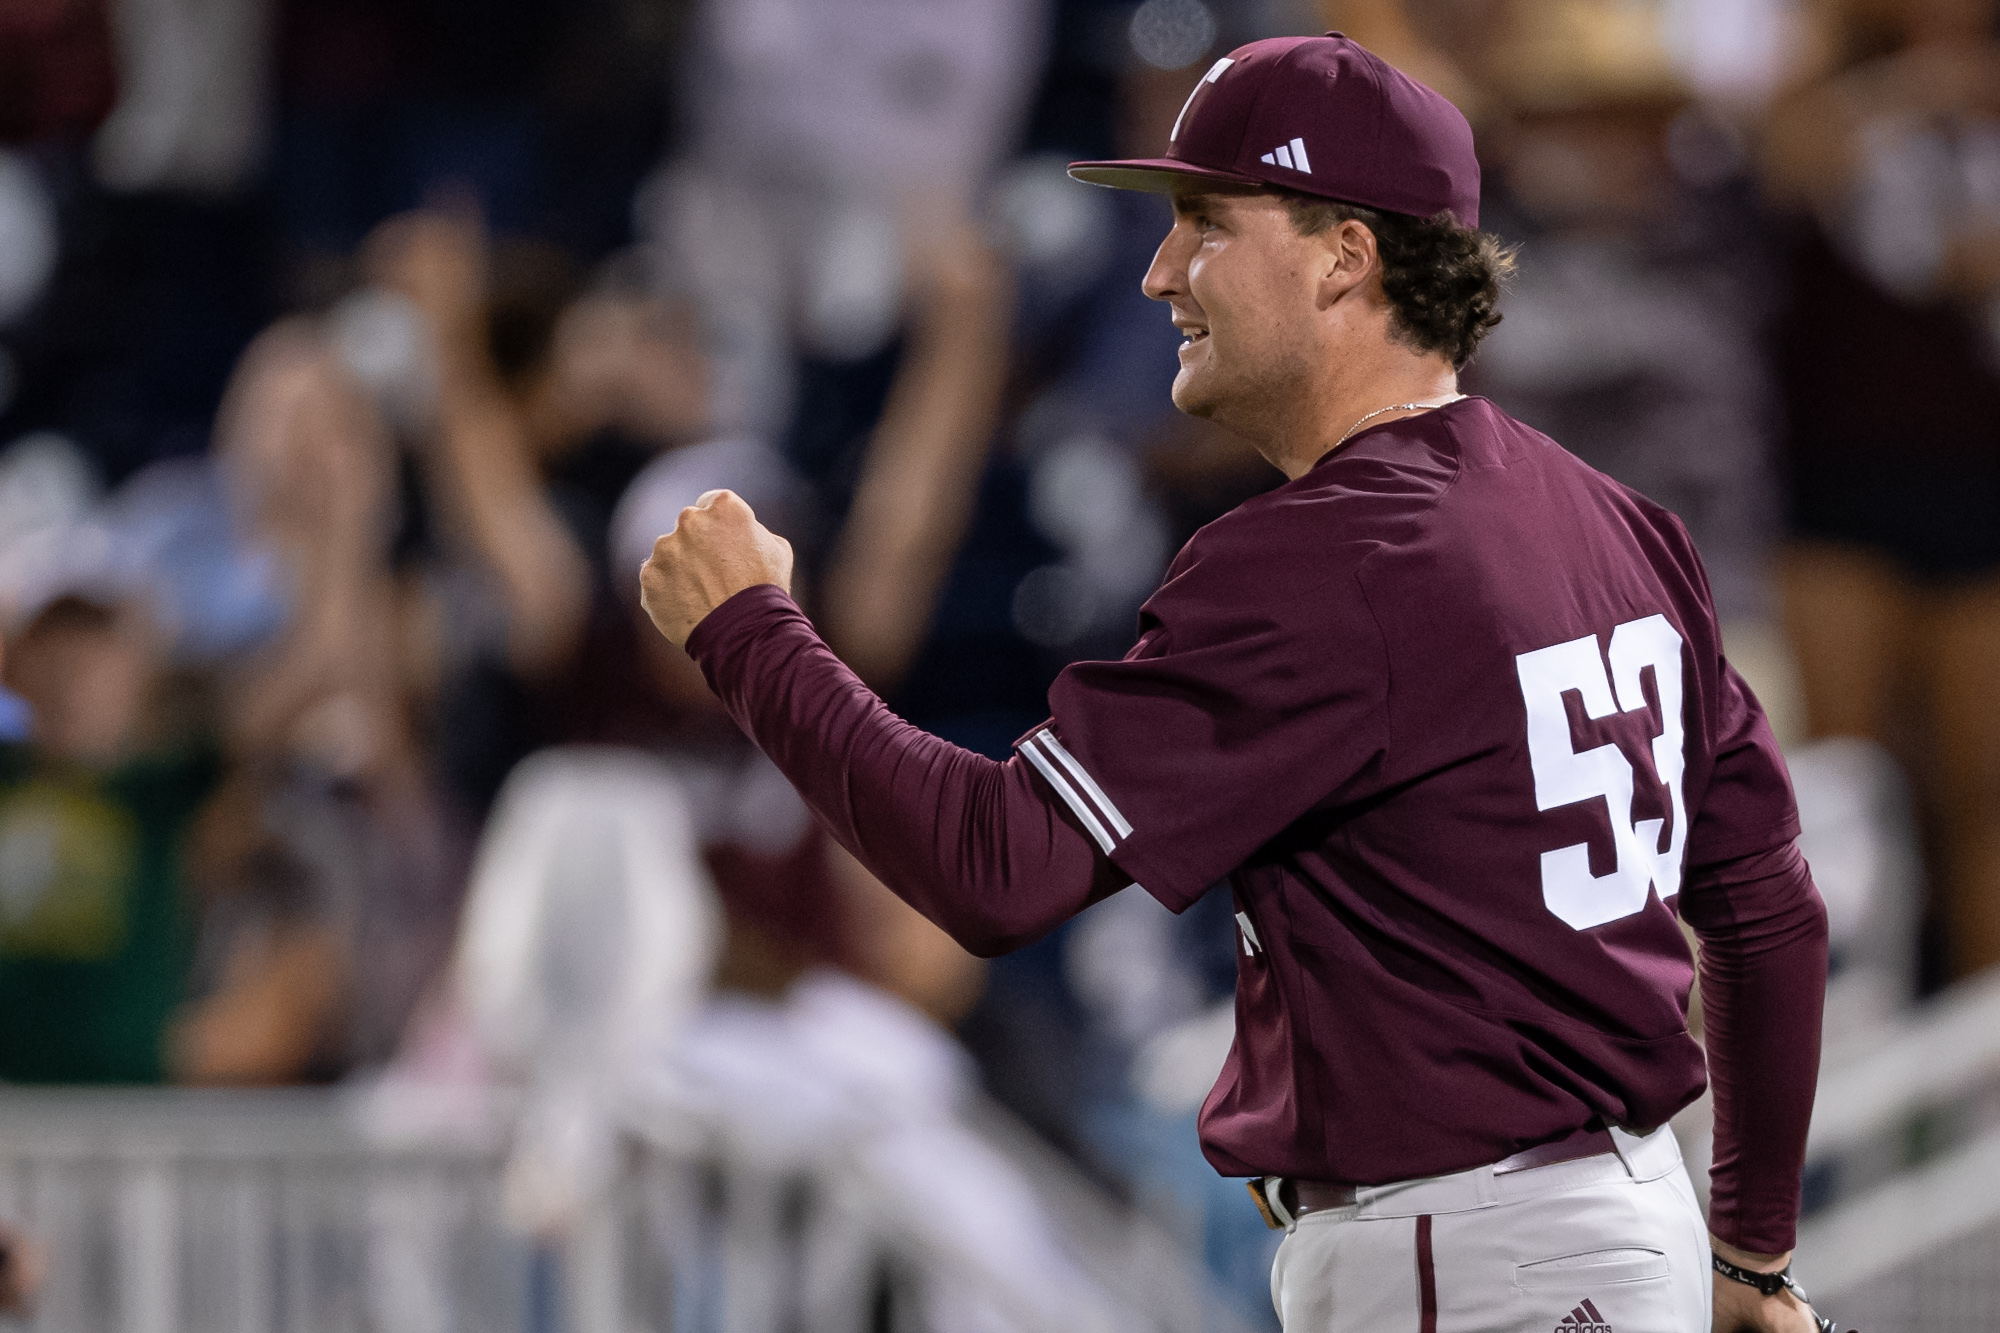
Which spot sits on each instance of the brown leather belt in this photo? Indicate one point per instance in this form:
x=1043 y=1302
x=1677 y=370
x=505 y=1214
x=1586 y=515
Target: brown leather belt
x=1311 y=1196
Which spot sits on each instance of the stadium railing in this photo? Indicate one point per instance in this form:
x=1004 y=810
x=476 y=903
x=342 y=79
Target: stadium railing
x=1904 y=1164
x=168 y=1211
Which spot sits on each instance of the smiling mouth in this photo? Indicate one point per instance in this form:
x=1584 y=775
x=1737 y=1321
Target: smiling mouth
x=1189 y=337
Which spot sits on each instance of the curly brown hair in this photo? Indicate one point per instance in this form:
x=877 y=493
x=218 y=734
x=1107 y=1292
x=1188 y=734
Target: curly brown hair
x=1443 y=281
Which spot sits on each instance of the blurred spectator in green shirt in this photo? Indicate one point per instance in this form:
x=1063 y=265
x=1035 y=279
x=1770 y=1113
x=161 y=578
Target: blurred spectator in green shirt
x=94 y=930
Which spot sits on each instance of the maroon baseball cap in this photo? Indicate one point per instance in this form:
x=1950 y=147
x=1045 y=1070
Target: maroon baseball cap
x=1322 y=115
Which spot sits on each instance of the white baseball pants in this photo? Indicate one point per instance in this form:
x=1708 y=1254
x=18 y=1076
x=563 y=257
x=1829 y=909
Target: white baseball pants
x=1609 y=1244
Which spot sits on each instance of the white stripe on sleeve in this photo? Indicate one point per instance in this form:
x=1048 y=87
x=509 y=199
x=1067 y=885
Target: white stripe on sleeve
x=1089 y=784
x=1073 y=798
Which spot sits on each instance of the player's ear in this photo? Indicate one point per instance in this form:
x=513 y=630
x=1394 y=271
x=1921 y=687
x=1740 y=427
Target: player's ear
x=1348 y=259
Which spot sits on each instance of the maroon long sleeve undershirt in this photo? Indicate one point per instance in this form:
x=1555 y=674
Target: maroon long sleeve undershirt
x=984 y=850
x=1763 y=937
x=974 y=844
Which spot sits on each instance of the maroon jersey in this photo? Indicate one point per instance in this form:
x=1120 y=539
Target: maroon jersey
x=1450 y=714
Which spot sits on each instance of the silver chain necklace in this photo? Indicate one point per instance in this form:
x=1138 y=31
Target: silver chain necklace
x=1393 y=407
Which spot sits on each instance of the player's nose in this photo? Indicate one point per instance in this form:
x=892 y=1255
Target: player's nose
x=1166 y=278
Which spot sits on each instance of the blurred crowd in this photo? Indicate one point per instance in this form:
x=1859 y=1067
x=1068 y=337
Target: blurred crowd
x=353 y=353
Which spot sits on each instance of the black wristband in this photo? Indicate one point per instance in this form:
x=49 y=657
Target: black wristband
x=1770 y=1284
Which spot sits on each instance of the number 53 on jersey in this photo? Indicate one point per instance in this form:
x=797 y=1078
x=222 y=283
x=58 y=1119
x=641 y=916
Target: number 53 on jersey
x=1564 y=775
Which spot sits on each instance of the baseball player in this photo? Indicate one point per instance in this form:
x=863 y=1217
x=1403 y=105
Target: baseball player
x=1449 y=714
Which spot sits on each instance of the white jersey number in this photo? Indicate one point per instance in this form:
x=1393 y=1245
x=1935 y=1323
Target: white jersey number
x=1564 y=776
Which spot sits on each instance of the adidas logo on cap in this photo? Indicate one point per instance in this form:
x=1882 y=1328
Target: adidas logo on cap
x=1583 y=1319
x=1292 y=155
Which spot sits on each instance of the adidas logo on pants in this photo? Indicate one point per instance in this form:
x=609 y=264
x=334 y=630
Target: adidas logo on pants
x=1583 y=1319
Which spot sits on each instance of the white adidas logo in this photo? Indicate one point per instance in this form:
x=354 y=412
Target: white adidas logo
x=1291 y=156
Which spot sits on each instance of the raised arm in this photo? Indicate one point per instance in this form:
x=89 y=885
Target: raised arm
x=981 y=848
x=921 y=476
x=482 y=464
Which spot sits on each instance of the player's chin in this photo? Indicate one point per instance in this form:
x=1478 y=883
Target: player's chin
x=1191 y=396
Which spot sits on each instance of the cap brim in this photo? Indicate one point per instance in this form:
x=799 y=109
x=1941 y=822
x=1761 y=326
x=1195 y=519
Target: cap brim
x=1153 y=175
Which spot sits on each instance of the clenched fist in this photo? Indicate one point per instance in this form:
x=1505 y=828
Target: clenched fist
x=716 y=551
